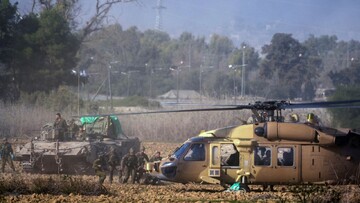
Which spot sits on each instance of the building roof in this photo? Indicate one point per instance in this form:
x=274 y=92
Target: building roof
x=183 y=94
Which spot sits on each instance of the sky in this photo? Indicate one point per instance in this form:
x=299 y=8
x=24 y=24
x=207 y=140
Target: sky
x=250 y=21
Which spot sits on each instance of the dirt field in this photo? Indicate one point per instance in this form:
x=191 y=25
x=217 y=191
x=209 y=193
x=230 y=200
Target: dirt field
x=166 y=192
x=195 y=193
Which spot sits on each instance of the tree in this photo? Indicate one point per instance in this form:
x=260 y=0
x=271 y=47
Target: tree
x=348 y=76
x=346 y=117
x=287 y=67
x=70 y=9
x=220 y=47
x=8 y=21
x=219 y=83
x=46 y=52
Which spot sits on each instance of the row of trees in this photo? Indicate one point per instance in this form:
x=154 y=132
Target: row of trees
x=42 y=51
x=150 y=63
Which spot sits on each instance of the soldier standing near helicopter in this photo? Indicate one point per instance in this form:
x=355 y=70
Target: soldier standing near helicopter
x=156 y=158
x=142 y=158
x=113 y=162
x=7 y=155
x=99 y=165
x=129 y=164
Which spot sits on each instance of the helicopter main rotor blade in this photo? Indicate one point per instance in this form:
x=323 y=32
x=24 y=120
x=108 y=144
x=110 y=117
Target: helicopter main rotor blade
x=266 y=105
x=278 y=105
x=328 y=104
x=239 y=107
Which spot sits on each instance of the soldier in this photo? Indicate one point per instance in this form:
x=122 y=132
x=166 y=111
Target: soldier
x=113 y=162
x=142 y=158
x=99 y=165
x=129 y=165
x=7 y=155
x=60 y=127
x=156 y=159
x=74 y=129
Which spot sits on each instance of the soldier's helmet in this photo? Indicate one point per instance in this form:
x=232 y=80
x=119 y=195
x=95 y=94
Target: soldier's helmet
x=131 y=150
x=311 y=118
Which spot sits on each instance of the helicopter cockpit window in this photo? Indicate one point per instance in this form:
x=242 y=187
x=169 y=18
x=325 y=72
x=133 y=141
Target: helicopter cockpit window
x=262 y=156
x=181 y=150
x=229 y=155
x=195 y=153
x=285 y=156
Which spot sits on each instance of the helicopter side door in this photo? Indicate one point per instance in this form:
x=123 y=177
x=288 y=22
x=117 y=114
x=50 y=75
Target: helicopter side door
x=214 y=171
x=223 y=162
x=230 y=162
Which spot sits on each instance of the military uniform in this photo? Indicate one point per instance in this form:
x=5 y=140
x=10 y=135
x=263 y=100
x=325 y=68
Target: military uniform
x=142 y=159
x=74 y=129
x=60 y=127
x=156 y=159
x=99 y=165
x=113 y=162
x=129 y=165
x=7 y=155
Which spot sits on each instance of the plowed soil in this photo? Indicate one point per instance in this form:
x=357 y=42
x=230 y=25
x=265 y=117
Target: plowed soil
x=174 y=192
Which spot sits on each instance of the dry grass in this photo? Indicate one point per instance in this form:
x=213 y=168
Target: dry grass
x=176 y=127
x=23 y=121
x=49 y=184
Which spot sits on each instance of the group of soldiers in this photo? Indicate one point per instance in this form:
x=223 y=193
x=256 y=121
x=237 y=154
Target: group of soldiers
x=132 y=165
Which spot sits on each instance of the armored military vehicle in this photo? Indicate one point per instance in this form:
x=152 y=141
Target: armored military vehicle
x=84 y=141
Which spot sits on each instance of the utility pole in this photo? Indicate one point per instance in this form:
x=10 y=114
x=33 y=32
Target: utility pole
x=243 y=73
x=109 y=79
x=78 y=89
x=128 y=84
x=200 y=83
x=189 y=56
x=177 y=85
x=177 y=69
x=158 y=22
x=234 y=80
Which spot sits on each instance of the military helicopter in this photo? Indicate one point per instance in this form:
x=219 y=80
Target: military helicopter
x=268 y=151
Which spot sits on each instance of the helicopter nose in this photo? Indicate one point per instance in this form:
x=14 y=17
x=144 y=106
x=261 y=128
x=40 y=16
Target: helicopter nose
x=168 y=169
